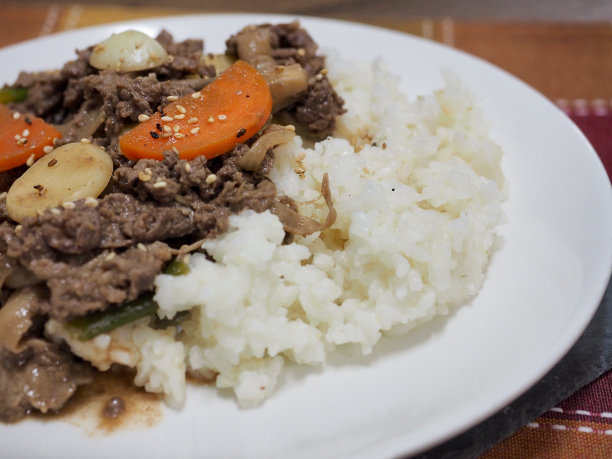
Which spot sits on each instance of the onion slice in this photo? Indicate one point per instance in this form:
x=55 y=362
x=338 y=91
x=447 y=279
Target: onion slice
x=273 y=136
x=83 y=125
x=295 y=223
x=16 y=317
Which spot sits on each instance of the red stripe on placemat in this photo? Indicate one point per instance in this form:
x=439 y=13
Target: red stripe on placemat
x=591 y=403
x=579 y=427
x=595 y=121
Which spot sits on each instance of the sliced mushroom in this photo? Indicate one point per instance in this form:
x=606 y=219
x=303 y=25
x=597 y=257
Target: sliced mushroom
x=286 y=82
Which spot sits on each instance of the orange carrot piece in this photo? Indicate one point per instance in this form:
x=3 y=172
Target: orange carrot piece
x=210 y=122
x=23 y=136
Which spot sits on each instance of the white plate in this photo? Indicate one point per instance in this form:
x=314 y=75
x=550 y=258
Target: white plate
x=541 y=290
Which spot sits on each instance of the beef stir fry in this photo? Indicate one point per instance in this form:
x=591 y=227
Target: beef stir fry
x=100 y=252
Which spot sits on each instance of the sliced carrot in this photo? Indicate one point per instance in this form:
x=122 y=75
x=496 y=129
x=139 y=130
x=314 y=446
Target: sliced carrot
x=23 y=137
x=210 y=122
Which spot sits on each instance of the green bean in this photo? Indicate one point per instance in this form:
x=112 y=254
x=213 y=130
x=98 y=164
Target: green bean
x=177 y=268
x=87 y=327
x=8 y=94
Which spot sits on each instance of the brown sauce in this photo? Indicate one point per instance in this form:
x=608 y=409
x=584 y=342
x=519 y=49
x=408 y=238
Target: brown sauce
x=109 y=404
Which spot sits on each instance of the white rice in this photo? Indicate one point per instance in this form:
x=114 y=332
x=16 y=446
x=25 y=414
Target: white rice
x=417 y=187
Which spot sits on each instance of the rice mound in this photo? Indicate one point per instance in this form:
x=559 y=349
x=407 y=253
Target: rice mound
x=417 y=186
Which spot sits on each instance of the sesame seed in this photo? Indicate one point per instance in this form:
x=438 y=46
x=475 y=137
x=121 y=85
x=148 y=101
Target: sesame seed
x=211 y=119
x=141 y=247
x=172 y=98
x=176 y=128
x=142 y=117
x=175 y=150
x=290 y=127
x=180 y=116
x=16 y=115
x=69 y=205
x=22 y=141
x=211 y=178
x=55 y=140
x=85 y=140
x=301 y=52
x=222 y=117
x=178 y=135
x=181 y=109
x=195 y=130
x=98 y=48
x=48 y=149
x=318 y=77
x=299 y=170
x=143 y=177
x=160 y=184
x=91 y=202
x=3 y=195
x=187 y=167
x=18 y=228
x=165 y=135
x=55 y=211
x=167 y=118
x=154 y=55
x=324 y=72
x=192 y=120
x=110 y=256
x=196 y=95
x=25 y=133
x=301 y=156
x=17 y=137
x=30 y=160
x=52 y=163
x=167 y=128
x=148 y=171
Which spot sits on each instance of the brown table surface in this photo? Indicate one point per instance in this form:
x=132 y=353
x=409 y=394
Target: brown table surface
x=570 y=63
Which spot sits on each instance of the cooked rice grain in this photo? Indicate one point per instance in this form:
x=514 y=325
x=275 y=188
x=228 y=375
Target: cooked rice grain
x=417 y=186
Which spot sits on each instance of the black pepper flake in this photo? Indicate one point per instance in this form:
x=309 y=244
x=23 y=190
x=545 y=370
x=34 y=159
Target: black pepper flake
x=159 y=127
x=241 y=132
x=154 y=134
x=40 y=189
x=28 y=121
